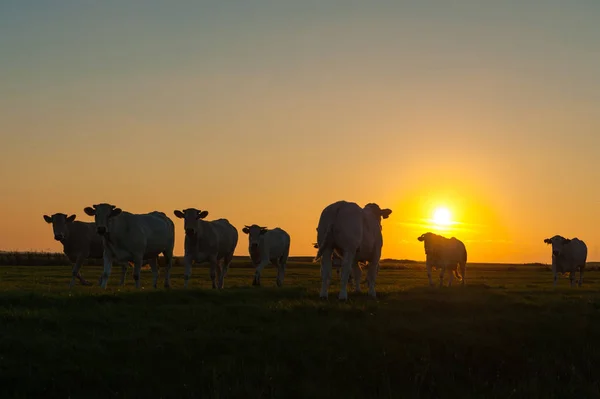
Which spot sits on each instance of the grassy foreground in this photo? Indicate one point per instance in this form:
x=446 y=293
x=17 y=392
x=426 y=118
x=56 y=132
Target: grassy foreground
x=508 y=333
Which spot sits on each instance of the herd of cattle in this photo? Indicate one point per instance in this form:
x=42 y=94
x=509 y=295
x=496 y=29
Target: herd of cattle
x=346 y=233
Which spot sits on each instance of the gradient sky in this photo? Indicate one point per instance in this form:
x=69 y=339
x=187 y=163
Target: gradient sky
x=267 y=111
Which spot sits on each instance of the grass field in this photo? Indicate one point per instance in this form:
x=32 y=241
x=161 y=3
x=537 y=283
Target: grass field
x=507 y=334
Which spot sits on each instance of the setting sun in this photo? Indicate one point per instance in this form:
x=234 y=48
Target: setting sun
x=442 y=217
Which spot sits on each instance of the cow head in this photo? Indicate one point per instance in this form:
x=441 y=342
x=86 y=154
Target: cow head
x=558 y=242
x=254 y=232
x=59 y=223
x=377 y=212
x=430 y=241
x=102 y=214
x=191 y=217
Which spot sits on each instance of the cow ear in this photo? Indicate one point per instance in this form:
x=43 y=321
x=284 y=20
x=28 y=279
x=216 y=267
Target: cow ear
x=315 y=245
x=202 y=214
x=48 y=219
x=385 y=213
x=547 y=241
x=90 y=211
x=179 y=214
x=115 y=212
x=71 y=218
x=422 y=238
x=246 y=230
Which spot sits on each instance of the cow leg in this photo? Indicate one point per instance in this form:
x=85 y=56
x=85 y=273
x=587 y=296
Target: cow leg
x=373 y=268
x=137 y=268
x=581 y=269
x=463 y=271
x=281 y=269
x=107 y=260
x=214 y=264
x=442 y=271
x=263 y=262
x=357 y=276
x=572 y=277
x=226 y=263
x=450 y=278
x=187 y=263
x=326 y=265
x=347 y=262
x=75 y=272
x=154 y=266
x=428 y=265
x=124 y=267
x=555 y=273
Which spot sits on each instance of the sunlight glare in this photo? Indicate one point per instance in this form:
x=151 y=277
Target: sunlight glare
x=442 y=217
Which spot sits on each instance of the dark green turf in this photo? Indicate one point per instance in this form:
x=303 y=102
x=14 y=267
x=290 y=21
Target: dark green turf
x=507 y=334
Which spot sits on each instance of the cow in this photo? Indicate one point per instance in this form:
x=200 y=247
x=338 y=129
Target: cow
x=207 y=242
x=79 y=240
x=129 y=237
x=568 y=255
x=442 y=253
x=268 y=245
x=355 y=234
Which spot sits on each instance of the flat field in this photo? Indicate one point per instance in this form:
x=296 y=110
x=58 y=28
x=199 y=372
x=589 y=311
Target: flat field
x=506 y=334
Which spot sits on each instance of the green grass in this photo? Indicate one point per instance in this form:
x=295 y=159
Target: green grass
x=507 y=334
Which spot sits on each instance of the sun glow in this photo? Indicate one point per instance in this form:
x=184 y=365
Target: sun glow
x=442 y=217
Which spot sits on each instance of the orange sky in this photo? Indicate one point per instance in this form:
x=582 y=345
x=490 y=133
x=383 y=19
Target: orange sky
x=267 y=113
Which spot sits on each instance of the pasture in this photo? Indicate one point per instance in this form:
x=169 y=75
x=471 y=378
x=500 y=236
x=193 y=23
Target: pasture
x=507 y=334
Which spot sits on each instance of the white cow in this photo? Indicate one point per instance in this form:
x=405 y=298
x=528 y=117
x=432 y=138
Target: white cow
x=129 y=237
x=442 y=253
x=355 y=234
x=266 y=246
x=207 y=242
x=568 y=255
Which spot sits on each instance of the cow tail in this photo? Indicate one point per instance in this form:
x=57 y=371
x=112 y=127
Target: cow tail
x=325 y=242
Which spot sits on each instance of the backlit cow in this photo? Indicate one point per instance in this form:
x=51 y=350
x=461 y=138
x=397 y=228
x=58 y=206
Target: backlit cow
x=445 y=253
x=355 y=233
x=79 y=240
x=129 y=237
x=207 y=242
x=568 y=255
x=267 y=246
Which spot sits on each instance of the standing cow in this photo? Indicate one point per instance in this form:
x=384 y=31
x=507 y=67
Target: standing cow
x=355 y=234
x=267 y=246
x=79 y=240
x=568 y=255
x=442 y=253
x=129 y=237
x=207 y=242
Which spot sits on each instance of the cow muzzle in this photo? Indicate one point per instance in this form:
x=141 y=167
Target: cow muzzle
x=190 y=232
x=101 y=230
x=555 y=253
x=59 y=237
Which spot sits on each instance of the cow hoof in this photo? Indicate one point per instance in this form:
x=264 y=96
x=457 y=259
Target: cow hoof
x=325 y=297
x=279 y=283
x=167 y=285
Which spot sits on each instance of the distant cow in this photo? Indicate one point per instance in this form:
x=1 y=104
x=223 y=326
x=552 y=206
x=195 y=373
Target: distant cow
x=129 y=237
x=355 y=234
x=266 y=246
x=568 y=255
x=442 y=253
x=207 y=242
